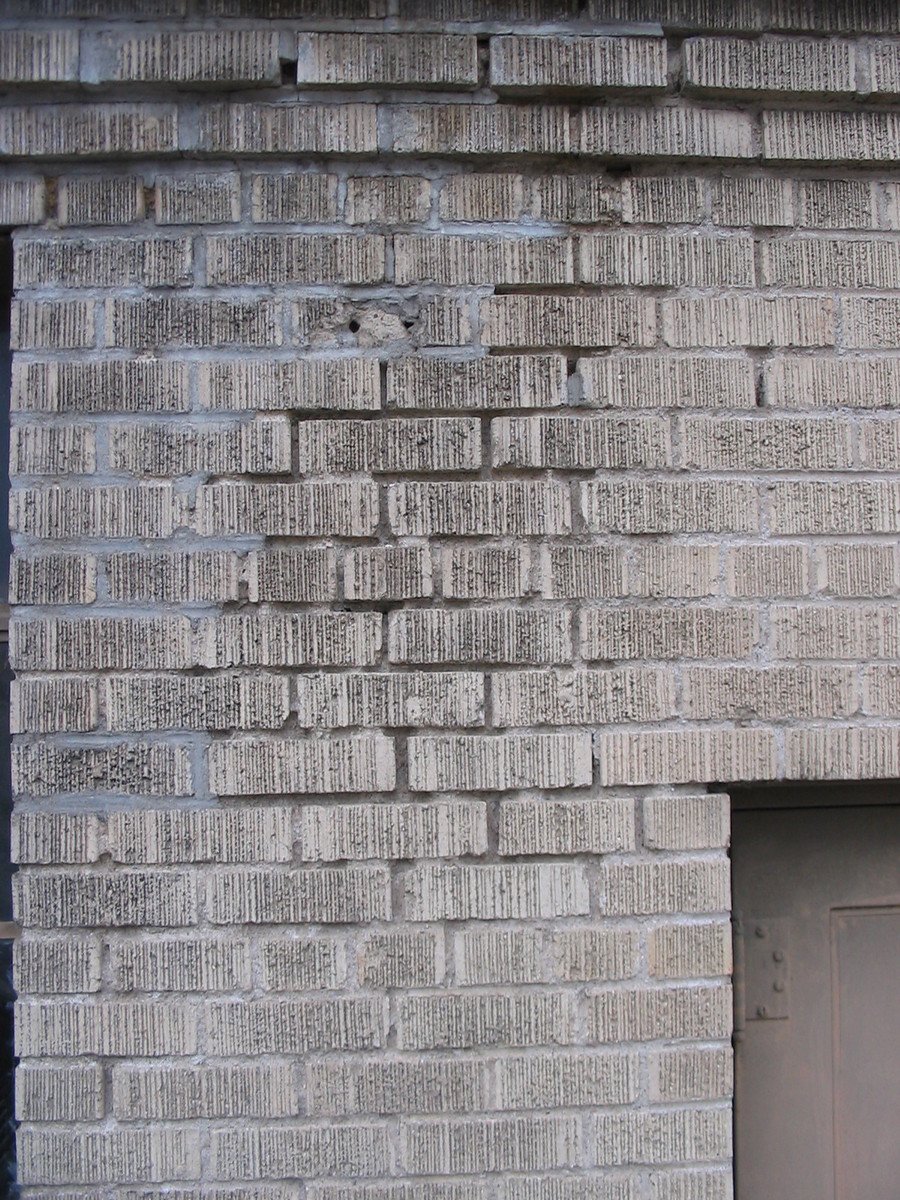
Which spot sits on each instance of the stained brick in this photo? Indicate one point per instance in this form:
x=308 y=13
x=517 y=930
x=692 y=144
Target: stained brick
x=769 y=65
x=416 y=60
x=423 y=699
x=505 y=381
x=547 y=64
x=308 y=509
x=296 y=385
x=196 y=57
x=520 y=508
x=265 y=768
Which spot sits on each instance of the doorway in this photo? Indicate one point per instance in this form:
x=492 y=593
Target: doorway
x=816 y=885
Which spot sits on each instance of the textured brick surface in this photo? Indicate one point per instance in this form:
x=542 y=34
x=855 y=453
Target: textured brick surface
x=445 y=443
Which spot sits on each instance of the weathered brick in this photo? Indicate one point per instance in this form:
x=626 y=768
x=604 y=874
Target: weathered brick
x=638 y=889
x=780 y=693
x=567 y=321
x=864 y=506
x=296 y=1026
x=760 y=321
x=863 y=571
x=200 y=835
x=867 y=752
x=485 y=572
x=97 y=1157
x=288 y=129
x=499 y=892
x=479 y=129
x=443 y=321
x=703 y=1074
x=581 y=697
x=260 y=447
x=52 y=325
x=121 y=768
x=648 y=1014
x=295 y=385
x=145 y=510
x=580 y=443
x=820 y=262
x=571 y=572
x=588 y=953
x=666 y=1137
x=291 y=640
x=667 y=381
x=499 y=763
x=505 y=381
x=566 y=826
x=234 y=259
x=22 y=201
x=490 y=1144
x=302 y=963
x=838 y=204
x=100 y=200
x=54 y=837
x=670 y=570
x=649 y=633
x=387 y=200
x=523 y=508
x=38 y=56
x=836 y=631
x=499 y=956
x=41 y=449
x=59 y=1093
x=828 y=136
x=432 y=1085
x=415 y=60
x=293 y=198
x=406 y=445
x=582 y=64
x=663 y=200
x=686 y=822
x=253 y=767
x=769 y=65
x=107 y=1028
x=767 y=570
x=766 y=444
x=63 y=644
x=629 y=133
x=56 y=965
x=197 y=57
x=117 y=385
x=442 y=829
x=879 y=444
x=665 y=260
x=881 y=689
x=180 y=965
x=332 y=1151
x=466 y=1020
x=871 y=323
x=670 y=506
x=53 y=705
x=686 y=951
x=570 y=1186
x=102 y=261
x=685 y=756
x=402 y=959
x=566 y=1080
x=88 y=130
x=52 y=579
x=307 y=509
x=692 y=1184
x=173 y=577
x=298 y=575
x=197 y=199
x=327 y=895
x=460 y=259
x=759 y=200
x=67 y=899
x=491 y=197
x=433 y=698
x=155 y=322
x=211 y=1091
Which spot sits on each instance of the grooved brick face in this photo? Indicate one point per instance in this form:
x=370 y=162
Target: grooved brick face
x=441 y=448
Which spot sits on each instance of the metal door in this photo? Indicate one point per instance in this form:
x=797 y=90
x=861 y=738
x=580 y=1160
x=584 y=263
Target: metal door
x=817 y=1042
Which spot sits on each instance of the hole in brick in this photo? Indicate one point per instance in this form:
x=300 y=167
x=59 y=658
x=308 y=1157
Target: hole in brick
x=289 y=72
x=353 y=326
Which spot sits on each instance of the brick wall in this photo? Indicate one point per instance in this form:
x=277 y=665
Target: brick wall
x=447 y=438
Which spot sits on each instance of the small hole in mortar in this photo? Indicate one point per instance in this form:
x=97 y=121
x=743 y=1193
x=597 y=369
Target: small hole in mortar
x=353 y=326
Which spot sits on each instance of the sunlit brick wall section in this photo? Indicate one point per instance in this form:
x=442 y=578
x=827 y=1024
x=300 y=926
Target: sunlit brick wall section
x=451 y=443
